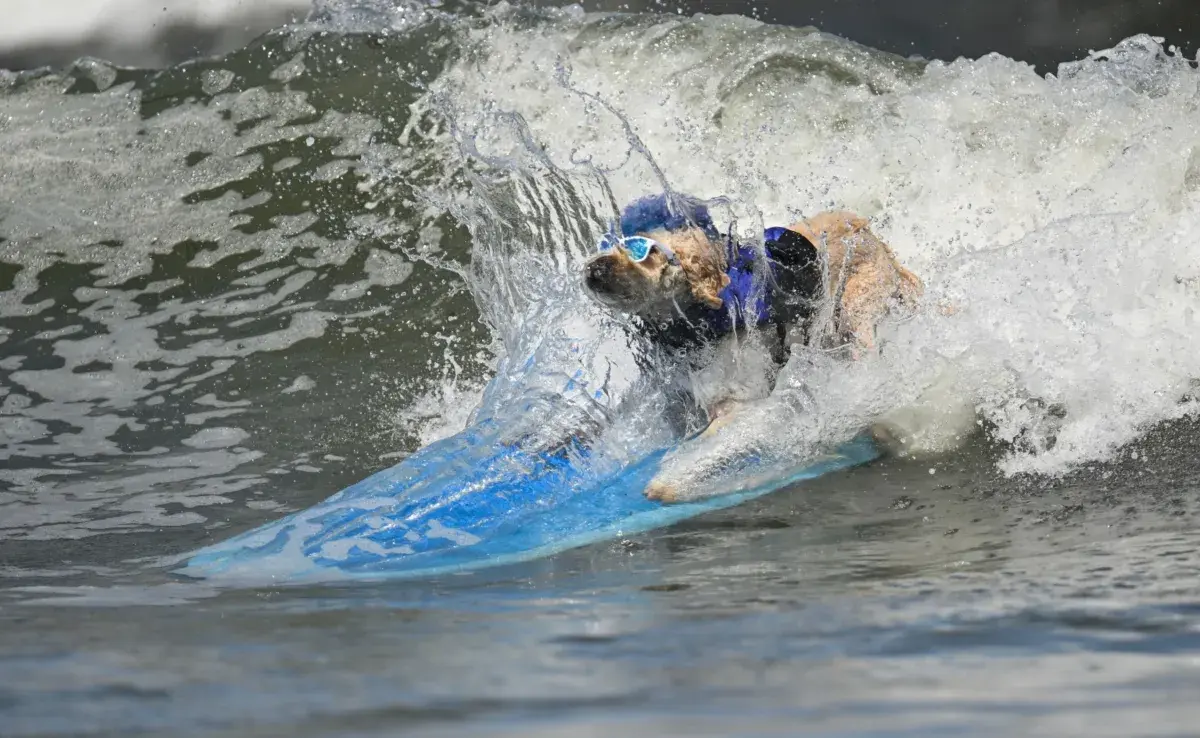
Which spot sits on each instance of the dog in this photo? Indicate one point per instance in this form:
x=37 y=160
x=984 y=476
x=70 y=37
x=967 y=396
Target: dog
x=826 y=281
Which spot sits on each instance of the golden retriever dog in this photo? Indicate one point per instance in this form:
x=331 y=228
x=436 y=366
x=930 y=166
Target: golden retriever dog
x=686 y=272
x=826 y=281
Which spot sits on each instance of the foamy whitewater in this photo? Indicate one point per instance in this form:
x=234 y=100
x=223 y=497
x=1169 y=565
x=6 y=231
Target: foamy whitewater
x=1053 y=220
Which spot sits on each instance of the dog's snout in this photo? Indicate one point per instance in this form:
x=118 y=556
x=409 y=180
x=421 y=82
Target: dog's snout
x=599 y=274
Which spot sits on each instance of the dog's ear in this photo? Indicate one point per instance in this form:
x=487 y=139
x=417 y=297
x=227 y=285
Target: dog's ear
x=708 y=290
x=703 y=263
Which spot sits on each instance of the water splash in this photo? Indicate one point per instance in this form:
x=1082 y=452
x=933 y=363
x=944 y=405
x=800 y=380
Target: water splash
x=1052 y=218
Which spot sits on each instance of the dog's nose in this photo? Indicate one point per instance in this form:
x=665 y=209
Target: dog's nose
x=598 y=274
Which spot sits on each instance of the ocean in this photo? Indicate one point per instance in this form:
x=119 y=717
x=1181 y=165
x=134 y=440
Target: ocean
x=232 y=286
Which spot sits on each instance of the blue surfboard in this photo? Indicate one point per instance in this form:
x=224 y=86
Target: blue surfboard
x=471 y=501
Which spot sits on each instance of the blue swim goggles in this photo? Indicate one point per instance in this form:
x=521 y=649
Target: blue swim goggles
x=638 y=247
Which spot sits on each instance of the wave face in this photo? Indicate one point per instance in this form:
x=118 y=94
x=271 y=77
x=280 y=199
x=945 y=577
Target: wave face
x=233 y=286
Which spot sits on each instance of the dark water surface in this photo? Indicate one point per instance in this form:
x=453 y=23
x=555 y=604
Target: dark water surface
x=1041 y=32
x=233 y=287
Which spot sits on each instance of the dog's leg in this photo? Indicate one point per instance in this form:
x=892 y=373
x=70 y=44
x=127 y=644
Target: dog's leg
x=667 y=491
x=737 y=368
x=732 y=380
x=744 y=373
x=719 y=416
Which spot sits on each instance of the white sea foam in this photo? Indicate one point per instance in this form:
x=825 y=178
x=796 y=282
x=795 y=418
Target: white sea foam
x=1056 y=217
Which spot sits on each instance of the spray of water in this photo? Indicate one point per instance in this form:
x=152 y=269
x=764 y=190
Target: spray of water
x=1052 y=219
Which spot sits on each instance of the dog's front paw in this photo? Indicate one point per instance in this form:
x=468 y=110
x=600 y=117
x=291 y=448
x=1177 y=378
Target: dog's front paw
x=720 y=416
x=663 y=492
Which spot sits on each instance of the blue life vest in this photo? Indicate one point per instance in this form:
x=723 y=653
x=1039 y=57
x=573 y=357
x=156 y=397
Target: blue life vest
x=785 y=291
x=788 y=286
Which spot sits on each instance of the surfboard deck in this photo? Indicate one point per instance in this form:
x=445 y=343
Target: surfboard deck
x=473 y=501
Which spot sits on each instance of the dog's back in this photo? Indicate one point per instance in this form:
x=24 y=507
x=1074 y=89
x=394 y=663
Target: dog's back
x=864 y=278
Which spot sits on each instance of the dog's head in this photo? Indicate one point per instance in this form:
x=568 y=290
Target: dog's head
x=691 y=268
